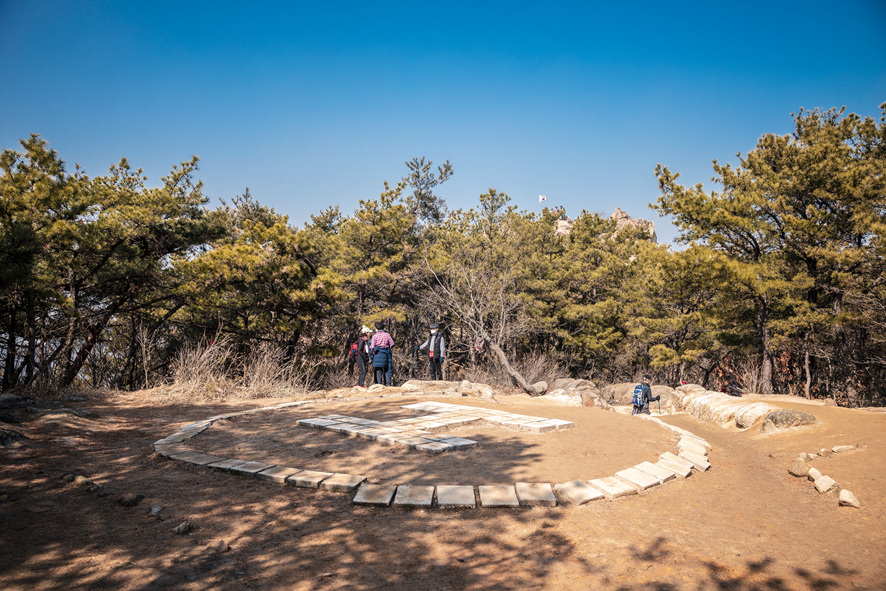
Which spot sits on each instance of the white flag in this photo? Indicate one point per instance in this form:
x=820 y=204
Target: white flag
x=541 y=198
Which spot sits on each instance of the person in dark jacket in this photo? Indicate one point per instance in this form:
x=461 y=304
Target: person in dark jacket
x=363 y=355
x=646 y=398
x=380 y=349
x=436 y=346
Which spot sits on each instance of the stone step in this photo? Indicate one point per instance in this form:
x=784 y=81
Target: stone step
x=450 y=496
x=532 y=494
x=498 y=496
x=612 y=487
x=578 y=492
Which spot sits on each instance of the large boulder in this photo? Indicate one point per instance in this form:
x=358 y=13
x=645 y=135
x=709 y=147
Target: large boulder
x=786 y=418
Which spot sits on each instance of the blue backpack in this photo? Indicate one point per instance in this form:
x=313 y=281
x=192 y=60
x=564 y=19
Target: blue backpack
x=638 y=399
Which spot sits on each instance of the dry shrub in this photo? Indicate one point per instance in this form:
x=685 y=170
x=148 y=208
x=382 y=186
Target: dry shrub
x=534 y=367
x=212 y=371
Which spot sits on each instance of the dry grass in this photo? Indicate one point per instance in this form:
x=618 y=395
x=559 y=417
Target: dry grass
x=213 y=371
x=535 y=367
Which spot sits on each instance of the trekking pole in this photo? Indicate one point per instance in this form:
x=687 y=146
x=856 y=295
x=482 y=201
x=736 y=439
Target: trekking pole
x=659 y=405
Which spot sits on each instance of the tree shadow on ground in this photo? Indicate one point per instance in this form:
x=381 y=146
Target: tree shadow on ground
x=251 y=534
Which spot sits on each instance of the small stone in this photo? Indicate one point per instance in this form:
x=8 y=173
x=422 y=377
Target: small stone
x=82 y=481
x=799 y=468
x=824 y=484
x=183 y=528
x=130 y=499
x=847 y=499
x=841 y=448
x=813 y=474
x=155 y=510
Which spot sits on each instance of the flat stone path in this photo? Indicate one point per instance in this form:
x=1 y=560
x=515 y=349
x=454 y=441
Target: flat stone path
x=417 y=433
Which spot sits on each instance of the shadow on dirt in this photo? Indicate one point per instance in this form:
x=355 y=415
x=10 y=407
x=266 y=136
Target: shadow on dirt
x=250 y=534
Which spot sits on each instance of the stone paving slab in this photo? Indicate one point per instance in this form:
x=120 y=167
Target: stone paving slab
x=342 y=482
x=696 y=439
x=637 y=478
x=277 y=474
x=681 y=470
x=532 y=494
x=195 y=457
x=498 y=495
x=374 y=495
x=227 y=464
x=698 y=462
x=662 y=474
x=612 y=487
x=411 y=495
x=308 y=478
x=692 y=447
x=451 y=496
x=578 y=492
x=680 y=461
x=249 y=468
x=435 y=447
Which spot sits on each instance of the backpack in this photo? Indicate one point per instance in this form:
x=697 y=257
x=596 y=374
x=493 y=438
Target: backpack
x=637 y=398
x=355 y=349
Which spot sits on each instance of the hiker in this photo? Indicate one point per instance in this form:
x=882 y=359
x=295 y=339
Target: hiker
x=643 y=396
x=436 y=346
x=382 y=359
x=362 y=355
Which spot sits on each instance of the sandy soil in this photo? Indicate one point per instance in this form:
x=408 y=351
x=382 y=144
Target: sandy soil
x=744 y=525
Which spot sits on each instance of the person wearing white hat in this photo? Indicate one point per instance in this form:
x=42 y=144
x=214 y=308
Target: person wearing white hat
x=436 y=346
x=363 y=354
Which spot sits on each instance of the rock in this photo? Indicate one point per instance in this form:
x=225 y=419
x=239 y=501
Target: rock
x=825 y=483
x=564 y=384
x=623 y=220
x=563 y=226
x=847 y=499
x=590 y=398
x=220 y=546
x=82 y=481
x=618 y=393
x=813 y=474
x=799 y=468
x=10 y=436
x=807 y=457
x=9 y=400
x=841 y=448
x=785 y=418
x=183 y=528
x=556 y=392
x=155 y=510
x=540 y=387
x=130 y=499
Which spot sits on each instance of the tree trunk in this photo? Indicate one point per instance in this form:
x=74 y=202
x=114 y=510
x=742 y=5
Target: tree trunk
x=94 y=331
x=808 y=388
x=518 y=379
x=9 y=369
x=766 y=344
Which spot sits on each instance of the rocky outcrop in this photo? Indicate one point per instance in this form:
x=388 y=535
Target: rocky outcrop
x=563 y=226
x=722 y=409
x=623 y=220
x=786 y=418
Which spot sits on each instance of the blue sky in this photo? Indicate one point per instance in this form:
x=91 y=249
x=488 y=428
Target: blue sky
x=317 y=104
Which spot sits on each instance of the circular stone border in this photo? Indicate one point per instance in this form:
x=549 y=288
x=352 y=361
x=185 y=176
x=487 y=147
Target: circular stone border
x=693 y=455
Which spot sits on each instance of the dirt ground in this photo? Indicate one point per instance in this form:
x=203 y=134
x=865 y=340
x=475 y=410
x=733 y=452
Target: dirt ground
x=746 y=524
